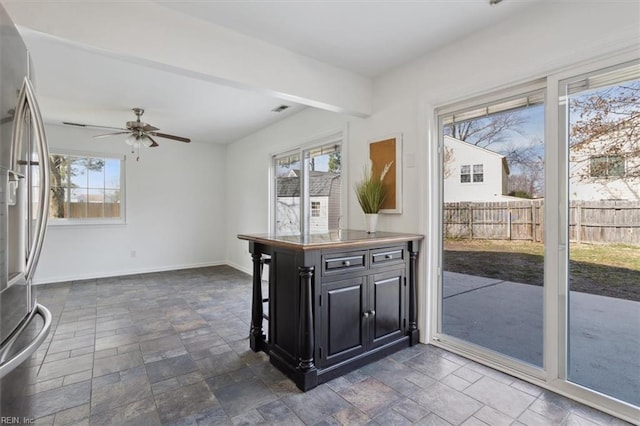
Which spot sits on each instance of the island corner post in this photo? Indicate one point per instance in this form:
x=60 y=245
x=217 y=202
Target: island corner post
x=334 y=303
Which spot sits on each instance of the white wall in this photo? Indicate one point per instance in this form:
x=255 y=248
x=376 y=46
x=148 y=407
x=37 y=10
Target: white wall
x=546 y=38
x=463 y=153
x=248 y=162
x=175 y=215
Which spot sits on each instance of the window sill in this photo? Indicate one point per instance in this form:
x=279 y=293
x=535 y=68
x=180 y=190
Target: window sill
x=93 y=223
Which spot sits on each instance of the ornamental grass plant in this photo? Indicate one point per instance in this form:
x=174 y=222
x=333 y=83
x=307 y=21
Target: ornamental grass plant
x=370 y=190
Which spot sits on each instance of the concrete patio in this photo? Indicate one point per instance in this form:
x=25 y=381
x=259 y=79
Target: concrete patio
x=507 y=317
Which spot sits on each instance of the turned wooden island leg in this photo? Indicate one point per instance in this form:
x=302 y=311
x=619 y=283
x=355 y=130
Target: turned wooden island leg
x=256 y=337
x=414 y=333
x=306 y=340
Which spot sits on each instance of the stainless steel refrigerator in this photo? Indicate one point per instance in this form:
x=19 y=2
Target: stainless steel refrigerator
x=24 y=203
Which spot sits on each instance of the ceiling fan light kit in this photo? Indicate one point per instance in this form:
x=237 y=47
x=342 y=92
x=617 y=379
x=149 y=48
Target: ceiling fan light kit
x=136 y=140
x=138 y=133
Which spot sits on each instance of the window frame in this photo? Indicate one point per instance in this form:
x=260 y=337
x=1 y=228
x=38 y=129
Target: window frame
x=333 y=137
x=611 y=162
x=465 y=170
x=315 y=208
x=477 y=177
x=471 y=173
x=91 y=221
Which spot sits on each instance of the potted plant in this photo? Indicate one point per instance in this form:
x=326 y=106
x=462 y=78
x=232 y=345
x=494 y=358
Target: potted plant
x=371 y=194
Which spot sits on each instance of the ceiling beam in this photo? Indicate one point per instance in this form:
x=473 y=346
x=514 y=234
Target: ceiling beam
x=147 y=33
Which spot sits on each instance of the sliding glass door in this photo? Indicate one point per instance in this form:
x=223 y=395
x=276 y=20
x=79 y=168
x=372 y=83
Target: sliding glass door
x=601 y=115
x=492 y=282
x=539 y=232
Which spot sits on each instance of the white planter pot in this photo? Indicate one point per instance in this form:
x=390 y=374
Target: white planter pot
x=370 y=222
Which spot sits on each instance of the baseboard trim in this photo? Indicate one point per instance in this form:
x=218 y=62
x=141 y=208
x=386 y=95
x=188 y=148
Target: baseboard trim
x=59 y=279
x=240 y=268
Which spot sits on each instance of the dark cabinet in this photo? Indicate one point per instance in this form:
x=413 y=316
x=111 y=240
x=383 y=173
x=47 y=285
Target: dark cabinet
x=360 y=314
x=343 y=327
x=388 y=314
x=333 y=306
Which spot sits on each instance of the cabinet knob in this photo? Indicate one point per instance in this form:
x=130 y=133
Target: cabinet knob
x=346 y=263
x=372 y=312
x=389 y=256
x=365 y=314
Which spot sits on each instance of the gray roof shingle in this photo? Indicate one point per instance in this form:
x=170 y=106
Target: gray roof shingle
x=319 y=184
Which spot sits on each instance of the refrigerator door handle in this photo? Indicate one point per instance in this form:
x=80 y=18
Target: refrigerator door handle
x=20 y=357
x=27 y=102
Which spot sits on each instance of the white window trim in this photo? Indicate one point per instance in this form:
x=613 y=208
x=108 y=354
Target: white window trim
x=554 y=376
x=471 y=173
x=94 y=222
x=338 y=136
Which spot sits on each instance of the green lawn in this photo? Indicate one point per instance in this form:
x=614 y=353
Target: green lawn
x=605 y=269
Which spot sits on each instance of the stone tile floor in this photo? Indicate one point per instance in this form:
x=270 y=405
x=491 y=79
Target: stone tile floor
x=172 y=348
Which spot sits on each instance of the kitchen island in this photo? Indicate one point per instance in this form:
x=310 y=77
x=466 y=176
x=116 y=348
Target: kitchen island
x=336 y=301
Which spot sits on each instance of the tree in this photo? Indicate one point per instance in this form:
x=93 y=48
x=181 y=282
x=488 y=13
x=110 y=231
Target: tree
x=487 y=130
x=63 y=169
x=59 y=174
x=527 y=161
x=502 y=132
x=447 y=162
x=605 y=132
x=334 y=162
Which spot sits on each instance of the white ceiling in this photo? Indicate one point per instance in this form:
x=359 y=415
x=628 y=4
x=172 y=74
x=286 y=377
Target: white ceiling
x=366 y=37
x=85 y=83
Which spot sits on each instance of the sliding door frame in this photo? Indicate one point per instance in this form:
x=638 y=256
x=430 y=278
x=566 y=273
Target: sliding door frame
x=553 y=375
x=470 y=350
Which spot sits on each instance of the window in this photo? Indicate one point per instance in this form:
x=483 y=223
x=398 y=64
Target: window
x=86 y=187
x=465 y=173
x=315 y=209
x=302 y=175
x=606 y=166
x=478 y=175
x=466 y=176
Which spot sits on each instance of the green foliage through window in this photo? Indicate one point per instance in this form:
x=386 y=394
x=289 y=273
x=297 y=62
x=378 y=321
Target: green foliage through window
x=85 y=187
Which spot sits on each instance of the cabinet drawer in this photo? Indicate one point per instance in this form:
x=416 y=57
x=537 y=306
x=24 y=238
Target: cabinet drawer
x=387 y=255
x=344 y=262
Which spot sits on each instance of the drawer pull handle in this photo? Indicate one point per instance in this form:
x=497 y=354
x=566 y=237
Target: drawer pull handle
x=388 y=256
x=346 y=263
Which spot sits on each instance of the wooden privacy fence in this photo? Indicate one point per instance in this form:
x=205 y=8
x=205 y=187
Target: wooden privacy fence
x=589 y=221
x=605 y=222
x=94 y=210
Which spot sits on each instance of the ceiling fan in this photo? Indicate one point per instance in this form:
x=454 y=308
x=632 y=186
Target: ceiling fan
x=140 y=133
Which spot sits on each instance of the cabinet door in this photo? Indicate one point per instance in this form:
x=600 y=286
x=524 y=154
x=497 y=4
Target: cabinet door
x=343 y=327
x=387 y=318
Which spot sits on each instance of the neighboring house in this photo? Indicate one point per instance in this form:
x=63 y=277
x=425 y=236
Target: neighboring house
x=472 y=173
x=324 y=191
x=598 y=172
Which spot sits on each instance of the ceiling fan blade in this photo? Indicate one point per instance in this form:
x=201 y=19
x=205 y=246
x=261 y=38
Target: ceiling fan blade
x=69 y=123
x=166 y=136
x=111 y=134
x=149 y=128
x=153 y=142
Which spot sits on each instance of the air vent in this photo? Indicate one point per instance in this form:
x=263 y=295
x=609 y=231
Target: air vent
x=280 y=108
